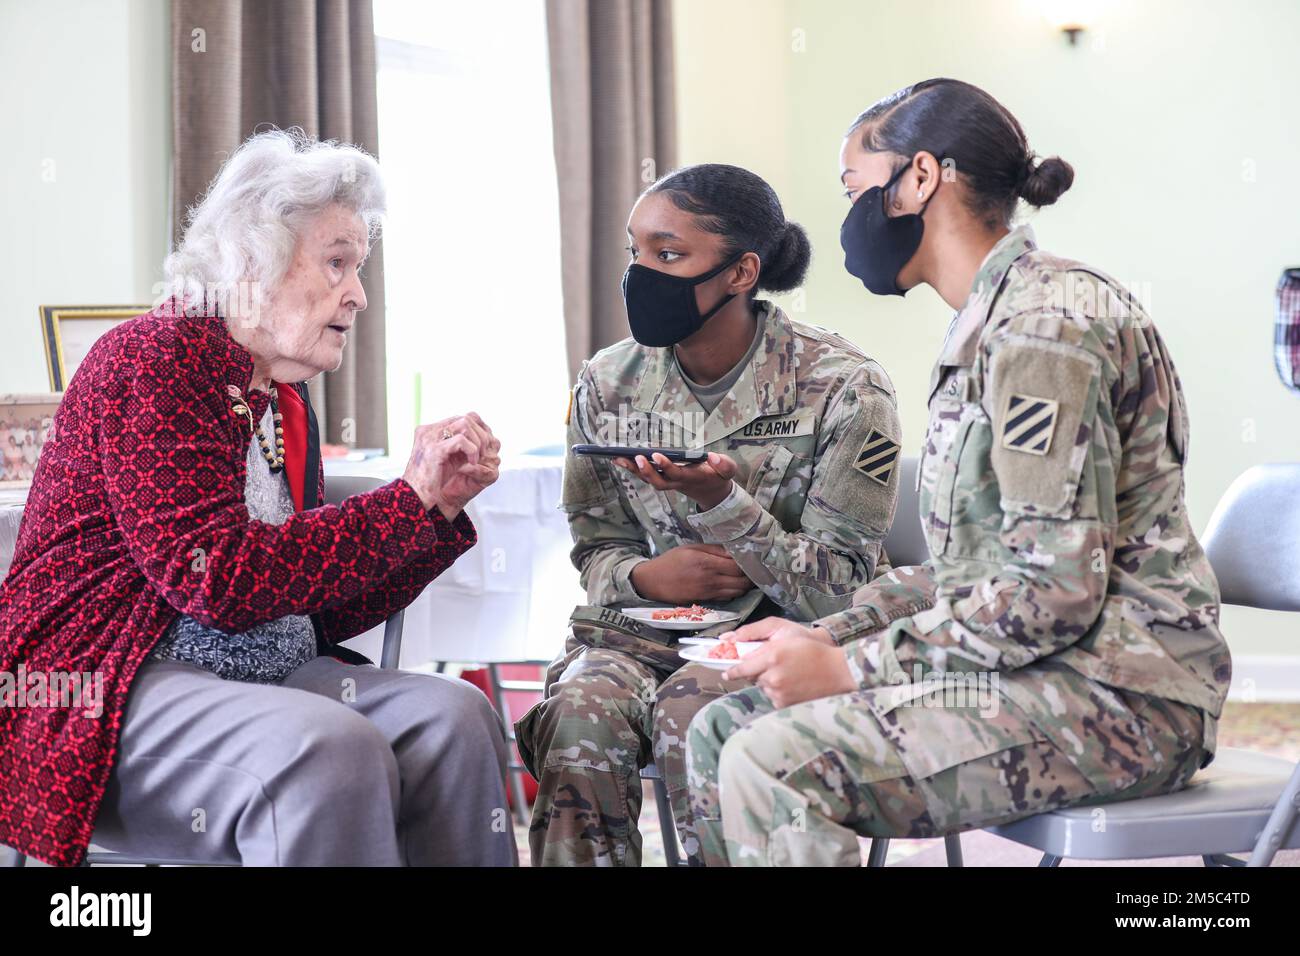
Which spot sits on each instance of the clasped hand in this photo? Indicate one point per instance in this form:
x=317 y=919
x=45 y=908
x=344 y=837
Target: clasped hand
x=452 y=461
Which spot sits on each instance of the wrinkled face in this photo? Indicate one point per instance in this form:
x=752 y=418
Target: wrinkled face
x=305 y=324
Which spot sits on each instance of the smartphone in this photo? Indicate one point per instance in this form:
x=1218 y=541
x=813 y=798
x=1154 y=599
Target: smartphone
x=680 y=456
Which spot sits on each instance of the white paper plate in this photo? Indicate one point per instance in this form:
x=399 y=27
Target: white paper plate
x=699 y=653
x=645 y=616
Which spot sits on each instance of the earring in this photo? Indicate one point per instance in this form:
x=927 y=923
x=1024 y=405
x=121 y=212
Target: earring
x=920 y=194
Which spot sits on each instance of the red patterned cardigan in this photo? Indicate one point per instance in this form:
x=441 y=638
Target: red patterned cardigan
x=145 y=465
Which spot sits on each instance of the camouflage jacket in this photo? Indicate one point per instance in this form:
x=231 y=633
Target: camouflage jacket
x=812 y=425
x=1051 y=491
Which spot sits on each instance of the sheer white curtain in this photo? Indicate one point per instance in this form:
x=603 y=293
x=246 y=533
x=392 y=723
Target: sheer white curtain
x=471 y=243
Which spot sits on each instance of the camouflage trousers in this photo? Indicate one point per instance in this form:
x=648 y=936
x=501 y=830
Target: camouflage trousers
x=603 y=717
x=799 y=786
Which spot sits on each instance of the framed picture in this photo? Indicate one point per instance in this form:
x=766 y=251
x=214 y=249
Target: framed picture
x=26 y=422
x=70 y=330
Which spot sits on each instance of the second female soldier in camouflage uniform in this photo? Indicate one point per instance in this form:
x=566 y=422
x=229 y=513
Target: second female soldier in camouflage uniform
x=786 y=517
x=1061 y=644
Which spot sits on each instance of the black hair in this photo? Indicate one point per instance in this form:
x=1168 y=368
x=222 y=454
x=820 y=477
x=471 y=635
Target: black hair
x=961 y=123
x=742 y=208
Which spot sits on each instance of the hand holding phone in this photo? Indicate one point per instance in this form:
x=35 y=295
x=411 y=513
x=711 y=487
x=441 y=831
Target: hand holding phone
x=681 y=456
x=705 y=482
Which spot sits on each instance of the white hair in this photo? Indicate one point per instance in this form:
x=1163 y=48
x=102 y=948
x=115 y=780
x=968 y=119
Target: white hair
x=241 y=236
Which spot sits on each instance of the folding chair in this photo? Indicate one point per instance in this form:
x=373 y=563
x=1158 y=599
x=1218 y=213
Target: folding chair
x=336 y=490
x=514 y=769
x=1244 y=801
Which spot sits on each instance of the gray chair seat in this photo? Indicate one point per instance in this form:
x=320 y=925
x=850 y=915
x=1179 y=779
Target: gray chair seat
x=1222 y=810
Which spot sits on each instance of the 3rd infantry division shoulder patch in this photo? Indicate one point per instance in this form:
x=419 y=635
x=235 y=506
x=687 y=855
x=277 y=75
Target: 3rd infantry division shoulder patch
x=1028 y=424
x=877 y=458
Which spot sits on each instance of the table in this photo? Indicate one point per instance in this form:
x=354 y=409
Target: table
x=509 y=597
x=506 y=599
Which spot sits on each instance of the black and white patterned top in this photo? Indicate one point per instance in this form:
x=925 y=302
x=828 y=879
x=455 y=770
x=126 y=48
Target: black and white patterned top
x=266 y=653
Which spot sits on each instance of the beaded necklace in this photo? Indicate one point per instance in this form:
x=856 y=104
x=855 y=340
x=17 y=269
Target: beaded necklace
x=274 y=459
x=240 y=408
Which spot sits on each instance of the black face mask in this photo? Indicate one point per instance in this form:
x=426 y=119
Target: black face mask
x=877 y=246
x=661 y=309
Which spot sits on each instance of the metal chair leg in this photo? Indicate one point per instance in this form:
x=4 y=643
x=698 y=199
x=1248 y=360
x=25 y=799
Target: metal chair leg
x=1050 y=861
x=1279 y=822
x=879 y=851
x=517 y=794
x=16 y=859
x=514 y=770
x=1222 y=859
x=952 y=846
x=672 y=852
x=392 y=649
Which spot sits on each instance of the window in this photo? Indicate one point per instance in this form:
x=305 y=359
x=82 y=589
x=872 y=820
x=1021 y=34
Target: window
x=471 y=241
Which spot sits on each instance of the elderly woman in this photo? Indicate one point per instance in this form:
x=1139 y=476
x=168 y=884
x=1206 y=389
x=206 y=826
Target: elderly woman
x=175 y=545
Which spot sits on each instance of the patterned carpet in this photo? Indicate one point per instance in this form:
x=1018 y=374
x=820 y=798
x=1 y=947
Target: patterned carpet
x=1268 y=728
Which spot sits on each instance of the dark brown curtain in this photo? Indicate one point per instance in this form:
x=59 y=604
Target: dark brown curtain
x=239 y=65
x=615 y=128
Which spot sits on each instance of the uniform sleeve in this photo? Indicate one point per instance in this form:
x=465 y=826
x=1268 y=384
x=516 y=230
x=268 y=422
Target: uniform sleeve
x=893 y=594
x=608 y=541
x=852 y=495
x=1053 y=469
x=166 y=461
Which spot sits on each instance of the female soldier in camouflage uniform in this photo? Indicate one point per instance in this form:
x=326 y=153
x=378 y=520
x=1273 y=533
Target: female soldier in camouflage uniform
x=786 y=517
x=1065 y=597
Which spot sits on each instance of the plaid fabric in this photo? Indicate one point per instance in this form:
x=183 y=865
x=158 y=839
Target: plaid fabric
x=1286 y=329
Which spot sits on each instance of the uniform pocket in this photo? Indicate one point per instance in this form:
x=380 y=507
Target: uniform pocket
x=949 y=719
x=1172 y=718
x=583 y=484
x=963 y=514
x=525 y=735
x=1044 y=396
x=765 y=481
x=974 y=511
x=858 y=473
x=654 y=510
x=944 y=469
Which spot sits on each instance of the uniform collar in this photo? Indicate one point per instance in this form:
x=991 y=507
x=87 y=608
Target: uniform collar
x=766 y=386
x=964 y=331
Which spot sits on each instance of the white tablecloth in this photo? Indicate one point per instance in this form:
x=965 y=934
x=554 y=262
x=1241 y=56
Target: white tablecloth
x=506 y=599
x=11 y=516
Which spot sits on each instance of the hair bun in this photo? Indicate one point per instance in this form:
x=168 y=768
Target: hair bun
x=787 y=264
x=1043 y=184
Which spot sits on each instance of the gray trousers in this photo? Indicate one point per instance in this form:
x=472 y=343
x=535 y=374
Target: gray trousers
x=340 y=765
